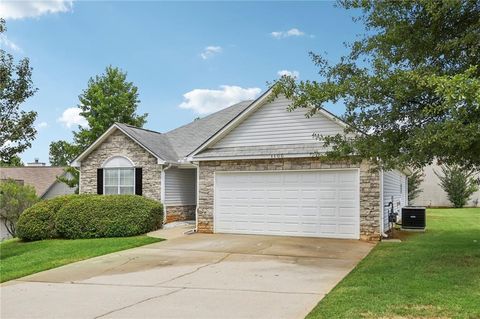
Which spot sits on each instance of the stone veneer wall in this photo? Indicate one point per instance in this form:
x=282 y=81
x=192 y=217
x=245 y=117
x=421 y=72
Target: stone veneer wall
x=180 y=213
x=118 y=144
x=369 y=187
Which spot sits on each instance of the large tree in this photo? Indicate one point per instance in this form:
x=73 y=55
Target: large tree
x=16 y=126
x=108 y=98
x=62 y=153
x=410 y=84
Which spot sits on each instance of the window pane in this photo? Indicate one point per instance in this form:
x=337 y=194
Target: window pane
x=126 y=190
x=111 y=177
x=116 y=162
x=111 y=190
x=126 y=177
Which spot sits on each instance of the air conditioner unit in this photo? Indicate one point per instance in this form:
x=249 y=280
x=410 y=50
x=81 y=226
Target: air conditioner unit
x=414 y=218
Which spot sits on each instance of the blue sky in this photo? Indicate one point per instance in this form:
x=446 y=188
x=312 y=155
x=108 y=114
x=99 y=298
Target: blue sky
x=186 y=58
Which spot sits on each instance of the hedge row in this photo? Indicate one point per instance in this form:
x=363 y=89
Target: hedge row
x=90 y=216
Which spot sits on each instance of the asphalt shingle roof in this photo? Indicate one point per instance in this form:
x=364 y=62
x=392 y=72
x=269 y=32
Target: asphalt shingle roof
x=176 y=144
x=40 y=177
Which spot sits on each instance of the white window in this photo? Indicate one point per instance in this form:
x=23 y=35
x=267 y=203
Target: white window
x=118 y=176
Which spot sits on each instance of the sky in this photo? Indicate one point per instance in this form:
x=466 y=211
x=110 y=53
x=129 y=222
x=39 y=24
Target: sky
x=188 y=59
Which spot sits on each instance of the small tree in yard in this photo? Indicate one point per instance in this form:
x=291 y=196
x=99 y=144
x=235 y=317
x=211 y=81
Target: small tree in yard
x=458 y=183
x=14 y=199
x=414 y=182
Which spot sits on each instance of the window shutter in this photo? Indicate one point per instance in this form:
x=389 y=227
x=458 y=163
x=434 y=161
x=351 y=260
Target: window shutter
x=138 y=181
x=100 y=181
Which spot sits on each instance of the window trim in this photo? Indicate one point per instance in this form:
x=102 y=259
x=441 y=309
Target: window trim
x=118 y=180
x=105 y=167
x=105 y=162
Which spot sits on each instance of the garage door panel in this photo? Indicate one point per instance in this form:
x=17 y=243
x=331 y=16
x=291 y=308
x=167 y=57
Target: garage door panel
x=347 y=212
x=305 y=203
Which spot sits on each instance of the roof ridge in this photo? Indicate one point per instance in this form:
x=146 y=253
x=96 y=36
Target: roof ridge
x=139 y=128
x=208 y=116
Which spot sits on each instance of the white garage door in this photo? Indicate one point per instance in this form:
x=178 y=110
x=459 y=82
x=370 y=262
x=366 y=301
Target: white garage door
x=295 y=203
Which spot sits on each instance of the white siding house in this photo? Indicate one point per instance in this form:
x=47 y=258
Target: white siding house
x=433 y=195
x=273 y=125
x=394 y=189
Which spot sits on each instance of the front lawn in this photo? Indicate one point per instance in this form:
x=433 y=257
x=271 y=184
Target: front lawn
x=430 y=275
x=18 y=259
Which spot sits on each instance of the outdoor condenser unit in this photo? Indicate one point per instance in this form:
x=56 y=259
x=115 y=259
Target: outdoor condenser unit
x=413 y=218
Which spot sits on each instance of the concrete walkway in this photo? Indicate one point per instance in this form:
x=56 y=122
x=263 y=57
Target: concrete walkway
x=190 y=276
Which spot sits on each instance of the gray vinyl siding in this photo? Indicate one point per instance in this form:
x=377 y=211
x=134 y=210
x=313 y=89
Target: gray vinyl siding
x=272 y=124
x=58 y=189
x=394 y=184
x=180 y=186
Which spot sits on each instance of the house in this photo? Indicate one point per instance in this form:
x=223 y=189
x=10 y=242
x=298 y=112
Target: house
x=433 y=195
x=247 y=169
x=42 y=178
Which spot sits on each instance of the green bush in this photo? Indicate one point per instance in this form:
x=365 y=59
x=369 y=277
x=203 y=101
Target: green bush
x=458 y=183
x=92 y=216
x=15 y=198
x=38 y=221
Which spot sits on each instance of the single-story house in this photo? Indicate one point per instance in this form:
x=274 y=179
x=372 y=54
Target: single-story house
x=42 y=178
x=433 y=195
x=247 y=169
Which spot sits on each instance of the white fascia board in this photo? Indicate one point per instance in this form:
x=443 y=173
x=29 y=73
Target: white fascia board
x=230 y=126
x=248 y=157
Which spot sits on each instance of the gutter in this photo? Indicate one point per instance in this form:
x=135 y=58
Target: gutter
x=382 y=230
x=197 y=193
x=162 y=191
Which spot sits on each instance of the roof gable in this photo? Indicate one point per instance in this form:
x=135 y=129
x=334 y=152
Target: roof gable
x=146 y=139
x=267 y=122
x=272 y=124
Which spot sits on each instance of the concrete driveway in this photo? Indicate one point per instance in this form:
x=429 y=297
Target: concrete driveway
x=192 y=276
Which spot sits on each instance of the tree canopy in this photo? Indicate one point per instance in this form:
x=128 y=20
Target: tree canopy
x=109 y=98
x=16 y=126
x=410 y=84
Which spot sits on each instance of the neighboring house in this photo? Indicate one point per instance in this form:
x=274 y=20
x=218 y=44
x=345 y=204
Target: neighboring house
x=42 y=178
x=433 y=195
x=246 y=169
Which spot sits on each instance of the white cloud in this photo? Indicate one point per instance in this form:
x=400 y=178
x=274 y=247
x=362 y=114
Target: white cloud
x=210 y=51
x=293 y=74
x=205 y=101
x=27 y=9
x=294 y=32
x=9 y=44
x=41 y=125
x=71 y=117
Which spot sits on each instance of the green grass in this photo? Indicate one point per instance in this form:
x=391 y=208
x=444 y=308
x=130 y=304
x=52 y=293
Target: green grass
x=18 y=259
x=431 y=275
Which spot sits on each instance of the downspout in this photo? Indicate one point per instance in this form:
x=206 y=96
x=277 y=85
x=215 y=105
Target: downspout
x=197 y=193
x=162 y=191
x=382 y=230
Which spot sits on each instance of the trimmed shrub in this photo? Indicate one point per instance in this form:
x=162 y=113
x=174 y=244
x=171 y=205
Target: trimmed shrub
x=92 y=216
x=38 y=221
